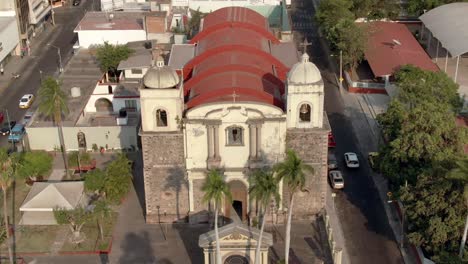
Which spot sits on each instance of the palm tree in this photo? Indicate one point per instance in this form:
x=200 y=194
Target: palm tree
x=293 y=172
x=263 y=187
x=216 y=189
x=460 y=173
x=102 y=210
x=53 y=104
x=8 y=166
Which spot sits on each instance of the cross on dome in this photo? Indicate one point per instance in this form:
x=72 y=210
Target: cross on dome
x=234 y=96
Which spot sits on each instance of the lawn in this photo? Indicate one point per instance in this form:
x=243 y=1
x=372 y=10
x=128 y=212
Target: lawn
x=36 y=238
x=93 y=240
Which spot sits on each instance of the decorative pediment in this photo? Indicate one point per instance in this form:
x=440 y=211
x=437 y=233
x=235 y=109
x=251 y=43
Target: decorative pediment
x=234 y=236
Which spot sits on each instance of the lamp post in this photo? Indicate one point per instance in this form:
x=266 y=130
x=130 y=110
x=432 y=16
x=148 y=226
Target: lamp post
x=341 y=69
x=40 y=75
x=59 y=56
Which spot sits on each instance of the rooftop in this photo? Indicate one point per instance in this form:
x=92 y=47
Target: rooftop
x=234 y=56
x=5 y=21
x=112 y=21
x=391 y=45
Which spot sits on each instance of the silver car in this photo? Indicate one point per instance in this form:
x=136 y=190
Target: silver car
x=336 y=179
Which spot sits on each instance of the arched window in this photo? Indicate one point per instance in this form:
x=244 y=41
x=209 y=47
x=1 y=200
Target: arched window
x=161 y=118
x=304 y=113
x=234 y=136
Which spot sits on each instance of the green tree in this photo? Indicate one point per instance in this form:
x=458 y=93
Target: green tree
x=375 y=9
x=351 y=39
x=8 y=172
x=330 y=13
x=418 y=7
x=293 y=172
x=419 y=125
x=109 y=56
x=460 y=173
x=194 y=22
x=53 y=104
x=95 y=181
x=118 y=179
x=216 y=189
x=101 y=211
x=264 y=187
x=34 y=164
x=435 y=210
x=75 y=219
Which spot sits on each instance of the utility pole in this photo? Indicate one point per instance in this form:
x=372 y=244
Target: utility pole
x=52 y=12
x=341 y=70
x=8 y=119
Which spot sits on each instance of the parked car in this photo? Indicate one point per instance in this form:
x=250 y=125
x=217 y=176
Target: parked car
x=26 y=101
x=2 y=116
x=336 y=179
x=17 y=133
x=332 y=161
x=27 y=118
x=5 y=130
x=351 y=160
x=76 y=2
x=331 y=140
x=373 y=159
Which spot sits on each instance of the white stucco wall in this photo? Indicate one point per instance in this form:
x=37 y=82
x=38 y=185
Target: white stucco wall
x=273 y=134
x=128 y=73
x=169 y=100
x=9 y=36
x=305 y=94
x=118 y=137
x=161 y=37
x=87 y=38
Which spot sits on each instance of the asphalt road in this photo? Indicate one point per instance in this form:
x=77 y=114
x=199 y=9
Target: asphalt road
x=44 y=58
x=367 y=234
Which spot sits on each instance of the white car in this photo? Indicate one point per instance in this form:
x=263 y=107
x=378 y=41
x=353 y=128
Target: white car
x=336 y=179
x=351 y=160
x=26 y=101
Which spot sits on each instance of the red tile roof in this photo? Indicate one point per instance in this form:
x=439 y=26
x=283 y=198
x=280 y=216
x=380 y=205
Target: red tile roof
x=234 y=56
x=386 y=56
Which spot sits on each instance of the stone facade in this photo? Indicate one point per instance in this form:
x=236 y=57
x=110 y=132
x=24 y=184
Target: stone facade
x=311 y=145
x=166 y=186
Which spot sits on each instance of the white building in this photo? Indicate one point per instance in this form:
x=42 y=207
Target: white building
x=9 y=36
x=242 y=99
x=38 y=9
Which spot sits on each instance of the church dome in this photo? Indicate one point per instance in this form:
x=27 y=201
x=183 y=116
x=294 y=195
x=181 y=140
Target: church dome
x=304 y=72
x=160 y=76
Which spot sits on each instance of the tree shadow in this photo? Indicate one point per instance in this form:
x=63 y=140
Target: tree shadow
x=189 y=235
x=136 y=248
x=177 y=183
x=319 y=241
x=138 y=180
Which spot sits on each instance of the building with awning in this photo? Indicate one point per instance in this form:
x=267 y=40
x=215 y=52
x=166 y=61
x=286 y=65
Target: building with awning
x=446 y=28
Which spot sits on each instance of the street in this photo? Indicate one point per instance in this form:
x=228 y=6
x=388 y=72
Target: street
x=44 y=57
x=367 y=234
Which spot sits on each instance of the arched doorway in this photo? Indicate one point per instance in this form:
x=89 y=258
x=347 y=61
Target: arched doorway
x=239 y=200
x=103 y=105
x=236 y=259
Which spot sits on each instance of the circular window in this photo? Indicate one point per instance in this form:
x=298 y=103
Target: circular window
x=236 y=259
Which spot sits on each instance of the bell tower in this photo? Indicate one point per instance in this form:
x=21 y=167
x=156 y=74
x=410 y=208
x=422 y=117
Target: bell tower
x=304 y=91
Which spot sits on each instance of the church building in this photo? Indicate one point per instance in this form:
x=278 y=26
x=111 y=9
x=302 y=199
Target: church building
x=238 y=101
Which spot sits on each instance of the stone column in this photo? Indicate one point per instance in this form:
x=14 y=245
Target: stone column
x=216 y=141
x=253 y=141
x=190 y=185
x=258 y=153
x=209 y=130
x=207 y=257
